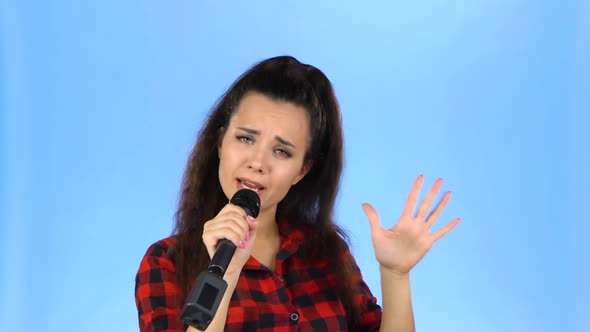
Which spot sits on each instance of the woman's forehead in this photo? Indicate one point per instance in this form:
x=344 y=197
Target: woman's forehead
x=259 y=109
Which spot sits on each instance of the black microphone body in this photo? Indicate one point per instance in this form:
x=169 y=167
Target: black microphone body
x=204 y=298
x=250 y=202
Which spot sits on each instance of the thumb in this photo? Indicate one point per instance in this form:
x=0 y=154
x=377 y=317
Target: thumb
x=372 y=216
x=252 y=231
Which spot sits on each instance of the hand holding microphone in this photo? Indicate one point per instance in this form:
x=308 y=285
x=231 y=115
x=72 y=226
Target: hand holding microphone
x=232 y=228
x=221 y=234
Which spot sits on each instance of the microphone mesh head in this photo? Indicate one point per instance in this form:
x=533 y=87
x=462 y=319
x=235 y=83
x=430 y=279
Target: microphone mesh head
x=248 y=200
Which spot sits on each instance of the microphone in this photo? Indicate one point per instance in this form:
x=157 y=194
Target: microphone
x=250 y=202
x=204 y=298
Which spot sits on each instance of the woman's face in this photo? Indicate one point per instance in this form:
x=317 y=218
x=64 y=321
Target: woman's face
x=263 y=149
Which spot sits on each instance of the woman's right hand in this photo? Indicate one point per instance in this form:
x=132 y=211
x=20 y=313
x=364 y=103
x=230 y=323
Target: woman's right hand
x=233 y=224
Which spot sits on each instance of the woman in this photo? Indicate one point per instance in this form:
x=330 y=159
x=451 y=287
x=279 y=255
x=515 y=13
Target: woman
x=277 y=130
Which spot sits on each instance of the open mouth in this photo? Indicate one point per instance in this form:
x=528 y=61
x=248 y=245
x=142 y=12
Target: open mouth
x=247 y=184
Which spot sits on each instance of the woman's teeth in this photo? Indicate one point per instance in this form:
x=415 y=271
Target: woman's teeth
x=249 y=185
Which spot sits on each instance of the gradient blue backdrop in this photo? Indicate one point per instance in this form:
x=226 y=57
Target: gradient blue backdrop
x=101 y=101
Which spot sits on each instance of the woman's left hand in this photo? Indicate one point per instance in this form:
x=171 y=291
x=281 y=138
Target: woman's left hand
x=399 y=248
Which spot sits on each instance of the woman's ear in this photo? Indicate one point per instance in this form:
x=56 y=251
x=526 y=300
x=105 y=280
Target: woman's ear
x=220 y=134
x=304 y=170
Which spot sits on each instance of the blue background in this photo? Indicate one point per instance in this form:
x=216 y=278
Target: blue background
x=101 y=101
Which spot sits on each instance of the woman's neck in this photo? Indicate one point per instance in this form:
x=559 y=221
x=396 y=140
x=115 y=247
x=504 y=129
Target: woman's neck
x=267 y=225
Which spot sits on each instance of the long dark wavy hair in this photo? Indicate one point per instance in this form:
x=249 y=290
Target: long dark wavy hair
x=310 y=201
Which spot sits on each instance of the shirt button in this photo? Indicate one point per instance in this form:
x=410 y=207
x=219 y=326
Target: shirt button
x=281 y=278
x=294 y=317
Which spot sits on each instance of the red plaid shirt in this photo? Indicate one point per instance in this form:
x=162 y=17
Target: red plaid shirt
x=297 y=296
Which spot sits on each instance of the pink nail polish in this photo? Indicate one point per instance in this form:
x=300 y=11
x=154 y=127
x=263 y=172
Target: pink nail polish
x=241 y=244
x=251 y=218
x=248 y=236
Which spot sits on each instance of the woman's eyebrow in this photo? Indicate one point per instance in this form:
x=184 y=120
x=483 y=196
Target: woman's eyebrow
x=250 y=131
x=285 y=142
x=278 y=138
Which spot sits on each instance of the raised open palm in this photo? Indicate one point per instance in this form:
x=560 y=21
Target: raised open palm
x=402 y=246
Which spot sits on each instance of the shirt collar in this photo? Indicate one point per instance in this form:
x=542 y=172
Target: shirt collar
x=292 y=236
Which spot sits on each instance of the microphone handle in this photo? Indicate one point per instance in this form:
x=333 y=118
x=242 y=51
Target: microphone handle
x=223 y=254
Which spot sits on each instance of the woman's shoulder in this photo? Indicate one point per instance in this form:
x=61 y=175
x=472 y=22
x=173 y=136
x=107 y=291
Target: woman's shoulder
x=159 y=256
x=161 y=248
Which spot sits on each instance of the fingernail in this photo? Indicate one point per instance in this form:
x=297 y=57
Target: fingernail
x=251 y=218
x=248 y=236
x=241 y=244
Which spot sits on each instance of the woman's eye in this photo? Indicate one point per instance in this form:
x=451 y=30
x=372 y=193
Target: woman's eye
x=283 y=152
x=245 y=139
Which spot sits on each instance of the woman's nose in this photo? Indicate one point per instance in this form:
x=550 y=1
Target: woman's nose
x=258 y=161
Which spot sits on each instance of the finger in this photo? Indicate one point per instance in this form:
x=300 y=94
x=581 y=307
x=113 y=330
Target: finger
x=212 y=238
x=233 y=208
x=427 y=202
x=372 y=216
x=236 y=226
x=413 y=196
x=433 y=216
x=239 y=218
x=446 y=228
x=252 y=232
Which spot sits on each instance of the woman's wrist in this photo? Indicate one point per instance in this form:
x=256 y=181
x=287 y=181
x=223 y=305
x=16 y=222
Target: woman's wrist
x=391 y=273
x=231 y=279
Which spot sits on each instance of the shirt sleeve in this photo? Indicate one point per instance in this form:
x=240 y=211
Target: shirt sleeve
x=371 y=313
x=157 y=295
